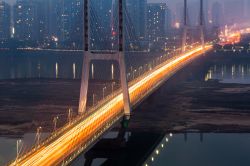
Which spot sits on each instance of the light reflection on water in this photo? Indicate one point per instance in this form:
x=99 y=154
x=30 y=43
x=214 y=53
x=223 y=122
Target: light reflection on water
x=211 y=150
x=56 y=66
x=215 y=149
x=235 y=73
x=74 y=70
x=191 y=149
x=39 y=65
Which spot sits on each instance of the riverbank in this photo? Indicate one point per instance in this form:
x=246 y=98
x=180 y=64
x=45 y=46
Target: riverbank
x=189 y=102
x=184 y=103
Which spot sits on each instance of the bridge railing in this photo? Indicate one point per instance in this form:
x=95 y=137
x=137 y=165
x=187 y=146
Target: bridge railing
x=165 y=59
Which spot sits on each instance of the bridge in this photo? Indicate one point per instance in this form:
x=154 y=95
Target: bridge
x=64 y=145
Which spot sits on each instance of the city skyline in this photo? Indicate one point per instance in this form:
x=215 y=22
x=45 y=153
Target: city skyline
x=124 y=82
x=47 y=23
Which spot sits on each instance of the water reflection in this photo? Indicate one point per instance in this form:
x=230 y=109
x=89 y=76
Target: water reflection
x=56 y=68
x=39 y=65
x=51 y=65
x=92 y=71
x=120 y=147
x=230 y=73
x=215 y=149
x=112 y=71
x=156 y=149
x=74 y=70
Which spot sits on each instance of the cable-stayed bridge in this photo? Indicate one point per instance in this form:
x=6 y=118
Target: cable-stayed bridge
x=65 y=144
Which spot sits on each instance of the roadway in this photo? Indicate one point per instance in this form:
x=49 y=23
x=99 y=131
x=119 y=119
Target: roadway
x=90 y=128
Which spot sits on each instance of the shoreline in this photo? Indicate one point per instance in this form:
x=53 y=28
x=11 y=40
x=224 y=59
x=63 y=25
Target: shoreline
x=185 y=106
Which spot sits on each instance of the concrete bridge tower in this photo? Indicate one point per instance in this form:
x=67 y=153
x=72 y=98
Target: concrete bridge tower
x=90 y=55
x=187 y=27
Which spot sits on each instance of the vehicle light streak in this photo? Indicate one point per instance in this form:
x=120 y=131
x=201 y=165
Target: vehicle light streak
x=54 y=152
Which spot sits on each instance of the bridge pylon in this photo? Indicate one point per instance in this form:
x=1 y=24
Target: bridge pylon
x=90 y=55
x=186 y=27
x=202 y=25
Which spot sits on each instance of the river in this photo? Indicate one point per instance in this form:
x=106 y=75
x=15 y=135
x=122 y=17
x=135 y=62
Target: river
x=202 y=111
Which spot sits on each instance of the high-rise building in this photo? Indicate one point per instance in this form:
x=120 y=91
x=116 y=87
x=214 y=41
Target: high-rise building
x=156 y=21
x=61 y=21
x=64 y=11
x=26 y=21
x=77 y=22
x=50 y=16
x=103 y=23
x=42 y=15
x=4 y=20
x=168 y=22
x=217 y=15
x=137 y=12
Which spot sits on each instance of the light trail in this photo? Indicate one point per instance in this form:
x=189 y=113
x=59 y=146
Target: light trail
x=54 y=152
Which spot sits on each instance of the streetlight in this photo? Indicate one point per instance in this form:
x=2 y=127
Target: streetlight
x=55 y=122
x=103 y=92
x=146 y=67
x=140 y=68
x=38 y=135
x=18 y=148
x=134 y=74
x=93 y=99
x=113 y=84
x=128 y=75
x=112 y=71
x=69 y=114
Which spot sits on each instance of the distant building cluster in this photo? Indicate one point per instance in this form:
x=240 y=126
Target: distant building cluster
x=59 y=23
x=44 y=23
x=4 y=21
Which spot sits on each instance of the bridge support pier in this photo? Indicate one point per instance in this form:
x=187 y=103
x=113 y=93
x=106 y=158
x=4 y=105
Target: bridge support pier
x=84 y=83
x=112 y=55
x=124 y=83
x=119 y=57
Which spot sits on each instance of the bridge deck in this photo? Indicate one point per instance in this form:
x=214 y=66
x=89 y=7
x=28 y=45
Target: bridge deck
x=79 y=136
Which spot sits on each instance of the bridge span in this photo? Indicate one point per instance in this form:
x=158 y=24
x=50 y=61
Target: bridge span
x=67 y=143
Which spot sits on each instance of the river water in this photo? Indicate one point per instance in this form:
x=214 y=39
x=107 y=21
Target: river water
x=141 y=148
x=203 y=149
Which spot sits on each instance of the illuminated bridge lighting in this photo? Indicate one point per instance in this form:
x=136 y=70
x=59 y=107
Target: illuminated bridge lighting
x=84 y=132
x=157 y=150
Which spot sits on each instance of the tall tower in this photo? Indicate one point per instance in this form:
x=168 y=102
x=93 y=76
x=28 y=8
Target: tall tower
x=156 y=24
x=90 y=55
x=186 y=26
x=25 y=20
x=137 y=9
x=4 y=20
x=202 y=24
